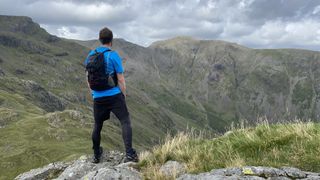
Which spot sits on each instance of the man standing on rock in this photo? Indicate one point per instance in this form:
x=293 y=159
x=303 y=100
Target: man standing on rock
x=106 y=80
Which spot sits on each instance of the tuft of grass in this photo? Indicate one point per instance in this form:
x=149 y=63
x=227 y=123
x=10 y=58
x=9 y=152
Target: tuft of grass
x=292 y=144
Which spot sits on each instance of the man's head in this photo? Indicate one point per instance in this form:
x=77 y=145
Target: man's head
x=105 y=36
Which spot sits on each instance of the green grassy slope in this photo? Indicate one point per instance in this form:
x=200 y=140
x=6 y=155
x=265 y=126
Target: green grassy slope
x=277 y=145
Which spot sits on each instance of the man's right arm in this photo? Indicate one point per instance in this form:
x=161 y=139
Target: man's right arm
x=87 y=79
x=85 y=63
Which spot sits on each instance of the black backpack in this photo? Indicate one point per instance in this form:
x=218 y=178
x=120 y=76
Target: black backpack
x=98 y=79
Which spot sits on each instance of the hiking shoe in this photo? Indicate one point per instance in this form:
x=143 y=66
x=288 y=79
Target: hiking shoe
x=131 y=157
x=96 y=157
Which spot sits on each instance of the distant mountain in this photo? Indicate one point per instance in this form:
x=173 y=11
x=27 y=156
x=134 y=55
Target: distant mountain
x=232 y=82
x=224 y=82
x=45 y=106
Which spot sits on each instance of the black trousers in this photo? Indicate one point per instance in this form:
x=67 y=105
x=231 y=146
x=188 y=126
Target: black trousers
x=101 y=110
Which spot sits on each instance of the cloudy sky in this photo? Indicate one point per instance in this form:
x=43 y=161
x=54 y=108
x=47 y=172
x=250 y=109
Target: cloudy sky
x=254 y=23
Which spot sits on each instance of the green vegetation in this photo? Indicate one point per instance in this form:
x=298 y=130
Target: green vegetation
x=295 y=144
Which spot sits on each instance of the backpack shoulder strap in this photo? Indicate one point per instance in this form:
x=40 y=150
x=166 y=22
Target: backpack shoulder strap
x=96 y=52
x=109 y=50
x=106 y=51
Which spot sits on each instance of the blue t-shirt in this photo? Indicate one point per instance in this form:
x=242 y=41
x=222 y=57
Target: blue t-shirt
x=113 y=65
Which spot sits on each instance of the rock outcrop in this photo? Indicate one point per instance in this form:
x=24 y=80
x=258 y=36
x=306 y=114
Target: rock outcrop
x=112 y=167
x=48 y=172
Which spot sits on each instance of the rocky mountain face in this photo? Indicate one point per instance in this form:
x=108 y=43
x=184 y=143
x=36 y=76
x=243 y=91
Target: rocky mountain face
x=220 y=82
x=232 y=82
x=45 y=106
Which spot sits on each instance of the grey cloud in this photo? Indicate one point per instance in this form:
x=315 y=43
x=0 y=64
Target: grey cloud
x=70 y=12
x=288 y=10
x=254 y=23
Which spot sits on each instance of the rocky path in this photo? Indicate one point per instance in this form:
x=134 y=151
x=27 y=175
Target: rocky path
x=112 y=167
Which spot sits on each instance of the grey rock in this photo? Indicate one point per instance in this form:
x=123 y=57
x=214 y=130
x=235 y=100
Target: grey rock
x=90 y=175
x=129 y=173
x=253 y=173
x=312 y=174
x=104 y=173
x=206 y=176
x=46 y=172
x=263 y=171
x=279 y=178
x=187 y=177
x=251 y=178
x=294 y=172
x=77 y=170
x=83 y=165
x=110 y=167
x=126 y=165
x=113 y=173
x=312 y=178
x=217 y=174
x=172 y=168
x=227 y=172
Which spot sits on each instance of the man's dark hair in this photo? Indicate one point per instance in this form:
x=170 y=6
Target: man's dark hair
x=105 y=36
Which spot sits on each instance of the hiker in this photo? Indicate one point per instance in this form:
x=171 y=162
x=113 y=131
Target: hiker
x=106 y=80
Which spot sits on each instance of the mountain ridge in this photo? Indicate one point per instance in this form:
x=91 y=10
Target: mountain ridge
x=92 y=43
